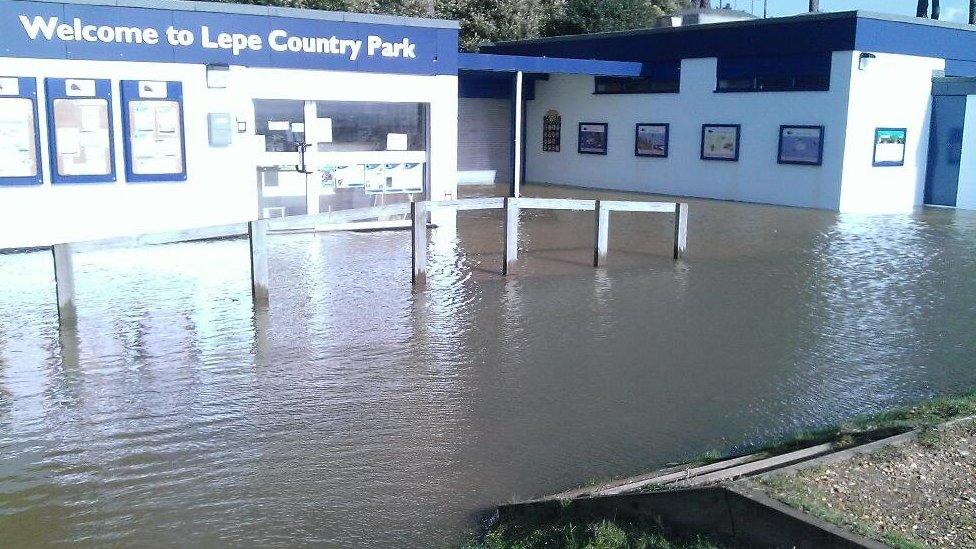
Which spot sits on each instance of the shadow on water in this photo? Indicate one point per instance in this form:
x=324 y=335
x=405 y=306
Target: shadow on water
x=359 y=411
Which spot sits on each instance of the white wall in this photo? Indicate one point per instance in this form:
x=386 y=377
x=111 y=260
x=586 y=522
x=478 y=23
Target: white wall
x=755 y=178
x=221 y=186
x=894 y=91
x=484 y=141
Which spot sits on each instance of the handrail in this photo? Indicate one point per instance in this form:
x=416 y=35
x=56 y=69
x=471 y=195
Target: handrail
x=257 y=232
x=512 y=207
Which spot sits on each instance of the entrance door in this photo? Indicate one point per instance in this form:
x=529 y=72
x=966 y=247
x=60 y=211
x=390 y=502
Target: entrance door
x=945 y=149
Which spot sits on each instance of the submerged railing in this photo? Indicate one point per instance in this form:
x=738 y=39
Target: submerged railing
x=257 y=235
x=512 y=206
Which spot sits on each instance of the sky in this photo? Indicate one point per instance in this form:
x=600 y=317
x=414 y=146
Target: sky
x=952 y=10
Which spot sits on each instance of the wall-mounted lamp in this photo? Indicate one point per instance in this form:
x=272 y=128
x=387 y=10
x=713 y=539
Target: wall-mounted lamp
x=866 y=60
x=217 y=76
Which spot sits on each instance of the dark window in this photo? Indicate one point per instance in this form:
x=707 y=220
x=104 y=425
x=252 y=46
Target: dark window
x=806 y=72
x=367 y=126
x=660 y=78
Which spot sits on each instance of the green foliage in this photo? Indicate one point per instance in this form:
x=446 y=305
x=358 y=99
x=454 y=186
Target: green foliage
x=588 y=16
x=500 y=20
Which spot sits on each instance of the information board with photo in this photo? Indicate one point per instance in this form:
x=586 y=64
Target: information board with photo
x=720 y=142
x=889 y=146
x=801 y=145
x=593 y=138
x=651 y=140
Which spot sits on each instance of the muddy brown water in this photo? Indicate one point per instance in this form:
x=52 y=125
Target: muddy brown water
x=362 y=413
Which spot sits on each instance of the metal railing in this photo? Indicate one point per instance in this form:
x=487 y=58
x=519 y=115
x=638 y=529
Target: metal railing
x=512 y=207
x=257 y=235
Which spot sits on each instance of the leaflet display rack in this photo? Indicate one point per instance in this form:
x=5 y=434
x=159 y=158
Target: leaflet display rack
x=81 y=140
x=152 y=126
x=20 y=145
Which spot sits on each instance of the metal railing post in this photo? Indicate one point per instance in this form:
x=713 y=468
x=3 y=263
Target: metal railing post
x=418 y=246
x=64 y=284
x=257 y=236
x=602 y=240
x=510 y=255
x=680 y=230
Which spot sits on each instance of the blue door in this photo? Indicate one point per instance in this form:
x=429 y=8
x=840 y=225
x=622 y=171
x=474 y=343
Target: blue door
x=945 y=149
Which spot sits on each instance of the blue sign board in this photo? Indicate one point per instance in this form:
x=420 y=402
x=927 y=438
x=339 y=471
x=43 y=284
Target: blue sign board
x=111 y=33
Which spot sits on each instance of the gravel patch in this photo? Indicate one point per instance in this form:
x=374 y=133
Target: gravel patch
x=922 y=494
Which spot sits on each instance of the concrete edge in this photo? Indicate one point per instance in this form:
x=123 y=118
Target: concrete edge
x=760 y=498
x=723 y=513
x=869 y=448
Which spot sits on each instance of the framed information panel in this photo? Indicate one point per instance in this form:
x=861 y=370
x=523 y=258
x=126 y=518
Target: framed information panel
x=552 y=126
x=19 y=140
x=720 y=142
x=801 y=145
x=889 y=146
x=80 y=134
x=152 y=127
x=592 y=138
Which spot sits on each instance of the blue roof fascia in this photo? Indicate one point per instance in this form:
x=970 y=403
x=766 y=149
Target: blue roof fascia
x=812 y=33
x=547 y=65
x=920 y=38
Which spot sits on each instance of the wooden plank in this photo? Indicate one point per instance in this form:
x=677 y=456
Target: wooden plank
x=557 y=204
x=64 y=284
x=683 y=474
x=342 y=216
x=257 y=235
x=511 y=234
x=680 y=230
x=164 y=237
x=602 y=239
x=756 y=467
x=418 y=247
x=469 y=204
x=634 y=206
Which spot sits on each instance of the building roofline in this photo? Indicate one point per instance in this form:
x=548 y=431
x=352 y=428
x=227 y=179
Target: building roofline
x=749 y=23
x=268 y=11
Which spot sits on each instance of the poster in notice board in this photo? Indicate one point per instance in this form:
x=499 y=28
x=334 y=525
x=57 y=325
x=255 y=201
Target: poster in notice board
x=18 y=152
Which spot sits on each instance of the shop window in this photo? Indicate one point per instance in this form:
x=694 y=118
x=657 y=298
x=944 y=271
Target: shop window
x=661 y=78
x=366 y=126
x=278 y=120
x=806 y=72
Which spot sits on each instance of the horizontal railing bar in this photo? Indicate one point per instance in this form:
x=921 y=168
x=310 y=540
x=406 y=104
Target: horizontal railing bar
x=469 y=204
x=633 y=206
x=310 y=220
x=163 y=237
x=555 y=204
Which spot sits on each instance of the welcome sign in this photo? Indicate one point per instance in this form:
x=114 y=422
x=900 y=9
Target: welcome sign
x=73 y=31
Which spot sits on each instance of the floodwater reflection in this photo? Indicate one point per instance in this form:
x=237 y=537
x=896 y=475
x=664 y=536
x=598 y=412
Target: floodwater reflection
x=361 y=412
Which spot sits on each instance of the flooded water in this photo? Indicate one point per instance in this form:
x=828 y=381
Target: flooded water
x=362 y=413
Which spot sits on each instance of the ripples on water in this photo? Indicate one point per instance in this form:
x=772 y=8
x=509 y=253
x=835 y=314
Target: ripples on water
x=361 y=413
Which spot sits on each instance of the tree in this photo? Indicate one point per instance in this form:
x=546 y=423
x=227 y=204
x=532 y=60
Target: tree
x=498 y=20
x=923 y=9
x=586 y=16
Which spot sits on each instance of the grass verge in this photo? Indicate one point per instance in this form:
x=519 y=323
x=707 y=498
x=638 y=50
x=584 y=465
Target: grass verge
x=574 y=534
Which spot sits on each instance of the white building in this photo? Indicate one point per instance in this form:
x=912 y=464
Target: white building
x=155 y=116
x=846 y=96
